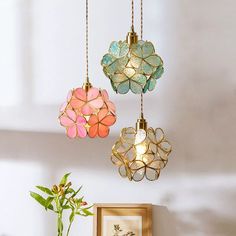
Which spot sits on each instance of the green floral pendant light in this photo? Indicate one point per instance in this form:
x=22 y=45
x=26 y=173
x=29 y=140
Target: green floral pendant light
x=132 y=64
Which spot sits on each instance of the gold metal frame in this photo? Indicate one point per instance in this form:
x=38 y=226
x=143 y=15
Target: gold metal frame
x=144 y=210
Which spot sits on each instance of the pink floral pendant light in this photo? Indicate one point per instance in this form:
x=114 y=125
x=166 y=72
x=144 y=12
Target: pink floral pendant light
x=87 y=110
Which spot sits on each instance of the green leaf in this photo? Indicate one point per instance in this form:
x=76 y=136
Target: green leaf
x=74 y=194
x=45 y=190
x=66 y=207
x=70 y=190
x=48 y=203
x=88 y=207
x=62 y=199
x=87 y=212
x=77 y=192
x=79 y=200
x=40 y=200
x=64 y=179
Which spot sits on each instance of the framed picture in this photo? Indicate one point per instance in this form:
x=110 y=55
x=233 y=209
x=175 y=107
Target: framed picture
x=122 y=220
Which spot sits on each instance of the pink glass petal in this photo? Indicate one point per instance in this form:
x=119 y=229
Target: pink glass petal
x=102 y=114
x=103 y=131
x=111 y=107
x=97 y=103
x=76 y=103
x=105 y=95
x=69 y=96
x=71 y=131
x=87 y=110
x=80 y=94
x=108 y=120
x=81 y=131
x=92 y=94
x=81 y=120
x=63 y=107
x=66 y=121
x=71 y=114
x=93 y=131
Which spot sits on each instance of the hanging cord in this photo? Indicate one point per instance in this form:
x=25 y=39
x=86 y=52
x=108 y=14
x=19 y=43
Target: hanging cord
x=142 y=105
x=132 y=15
x=87 y=42
x=141 y=19
x=141 y=39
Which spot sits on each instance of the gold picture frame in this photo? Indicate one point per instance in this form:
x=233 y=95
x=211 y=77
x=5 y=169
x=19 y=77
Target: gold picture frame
x=122 y=220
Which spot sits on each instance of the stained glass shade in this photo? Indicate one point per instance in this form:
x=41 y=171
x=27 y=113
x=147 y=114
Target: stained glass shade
x=140 y=154
x=87 y=112
x=134 y=67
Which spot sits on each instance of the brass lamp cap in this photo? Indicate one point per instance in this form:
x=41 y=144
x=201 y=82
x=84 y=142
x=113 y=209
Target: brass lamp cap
x=131 y=37
x=87 y=86
x=141 y=124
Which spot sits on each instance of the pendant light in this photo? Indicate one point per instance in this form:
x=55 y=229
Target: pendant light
x=132 y=64
x=87 y=110
x=141 y=151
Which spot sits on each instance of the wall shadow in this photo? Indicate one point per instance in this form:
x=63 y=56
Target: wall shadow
x=164 y=222
x=206 y=221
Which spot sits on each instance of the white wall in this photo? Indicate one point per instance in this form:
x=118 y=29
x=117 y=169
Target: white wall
x=195 y=200
x=42 y=45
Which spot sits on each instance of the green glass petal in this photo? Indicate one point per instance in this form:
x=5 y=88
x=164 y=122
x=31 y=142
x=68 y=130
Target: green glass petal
x=141 y=42
x=146 y=68
x=122 y=63
x=129 y=72
x=135 y=87
x=146 y=86
x=136 y=50
x=107 y=60
x=118 y=78
x=123 y=87
x=114 y=49
x=151 y=84
x=135 y=61
x=158 y=73
x=114 y=86
x=112 y=68
x=140 y=79
x=154 y=60
x=124 y=49
x=119 y=49
x=147 y=49
x=105 y=72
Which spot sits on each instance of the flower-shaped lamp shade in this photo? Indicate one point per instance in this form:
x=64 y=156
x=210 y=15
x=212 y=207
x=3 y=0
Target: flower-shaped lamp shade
x=140 y=153
x=87 y=112
x=134 y=67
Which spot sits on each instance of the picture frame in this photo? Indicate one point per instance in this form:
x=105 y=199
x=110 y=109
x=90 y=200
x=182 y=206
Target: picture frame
x=122 y=220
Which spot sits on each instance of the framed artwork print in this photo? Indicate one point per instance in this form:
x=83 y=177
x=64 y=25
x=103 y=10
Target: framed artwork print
x=122 y=220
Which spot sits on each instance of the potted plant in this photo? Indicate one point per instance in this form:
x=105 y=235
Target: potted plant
x=61 y=198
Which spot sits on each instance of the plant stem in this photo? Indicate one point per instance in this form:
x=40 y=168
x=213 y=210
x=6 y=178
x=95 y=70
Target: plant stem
x=59 y=217
x=59 y=224
x=68 y=230
x=71 y=220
